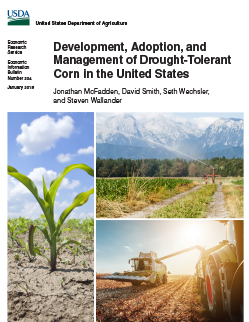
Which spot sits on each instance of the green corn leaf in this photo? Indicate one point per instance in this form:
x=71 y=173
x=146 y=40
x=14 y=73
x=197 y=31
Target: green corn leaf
x=74 y=242
x=20 y=232
x=11 y=169
x=45 y=232
x=83 y=202
x=47 y=197
x=65 y=229
x=32 y=229
x=39 y=253
x=28 y=183
x=69 y=248
x=79 y=200
x=21 y=242
x=57 y=181
x=45 y=190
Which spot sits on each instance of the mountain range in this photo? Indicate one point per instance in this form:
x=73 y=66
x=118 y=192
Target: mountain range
x=124 y=136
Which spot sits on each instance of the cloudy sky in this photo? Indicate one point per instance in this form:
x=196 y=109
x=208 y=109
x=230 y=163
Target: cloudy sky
x=201 y=120
x=43 y=144
x=117 y=241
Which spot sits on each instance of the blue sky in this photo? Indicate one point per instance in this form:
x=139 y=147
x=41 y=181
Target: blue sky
x=43 y=144
x=201 y=120
x=119 y=240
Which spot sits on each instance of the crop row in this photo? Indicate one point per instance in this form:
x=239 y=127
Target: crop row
x=172 y=302
x=21 y=225
x=113 y=189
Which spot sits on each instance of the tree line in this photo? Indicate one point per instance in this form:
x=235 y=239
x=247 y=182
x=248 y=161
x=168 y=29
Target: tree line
x=169 y=168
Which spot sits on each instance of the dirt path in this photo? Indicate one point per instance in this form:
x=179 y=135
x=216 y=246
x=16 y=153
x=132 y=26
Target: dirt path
x=150 y=209
x=217 y=207
x=177 y=300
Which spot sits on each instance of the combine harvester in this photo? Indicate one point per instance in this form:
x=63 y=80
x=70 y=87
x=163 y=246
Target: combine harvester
x=147 y=268
x=219 y=271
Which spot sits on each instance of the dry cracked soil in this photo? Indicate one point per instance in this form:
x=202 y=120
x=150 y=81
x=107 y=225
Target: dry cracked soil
x=65 y=295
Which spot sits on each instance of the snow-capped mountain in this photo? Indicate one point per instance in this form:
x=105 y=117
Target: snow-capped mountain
x=172 y=133
x=222 y=134
x=125 y=130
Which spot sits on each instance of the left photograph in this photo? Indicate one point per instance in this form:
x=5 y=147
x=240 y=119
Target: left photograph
x=50 y=216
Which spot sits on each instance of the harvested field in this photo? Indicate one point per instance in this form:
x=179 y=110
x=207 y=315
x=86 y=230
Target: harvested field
x=178 y=300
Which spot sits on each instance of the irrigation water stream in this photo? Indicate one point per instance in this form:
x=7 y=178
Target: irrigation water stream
x=164 y=146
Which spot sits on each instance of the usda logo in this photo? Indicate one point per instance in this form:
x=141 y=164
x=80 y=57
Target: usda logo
x=18 y=18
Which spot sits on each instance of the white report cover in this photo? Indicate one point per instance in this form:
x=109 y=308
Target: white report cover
x=60 y=59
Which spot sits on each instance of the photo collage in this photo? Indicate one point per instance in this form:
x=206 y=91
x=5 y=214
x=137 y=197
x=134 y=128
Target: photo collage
x=125 y=216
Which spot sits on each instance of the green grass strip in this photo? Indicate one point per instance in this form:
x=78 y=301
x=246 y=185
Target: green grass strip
x=239 y=182
x=193 y=205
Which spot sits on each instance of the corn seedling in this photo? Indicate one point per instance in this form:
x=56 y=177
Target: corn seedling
x=25 y=247
x=62 y=281
x=75 y=252
x=47 y=206
x=25 y=288
x=12 y=227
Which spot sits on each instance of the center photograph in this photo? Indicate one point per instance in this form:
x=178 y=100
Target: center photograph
x=169 y=165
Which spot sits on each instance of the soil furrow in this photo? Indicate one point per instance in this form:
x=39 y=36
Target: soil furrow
x=174 y=301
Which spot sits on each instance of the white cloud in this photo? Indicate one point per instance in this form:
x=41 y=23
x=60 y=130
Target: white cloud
x=64 y=157
x=63 y=204
x=67 y=185
x=200 y=122
x=203 y=122
x=82 y=215
x=42 y=134
x=21 y=202
x=88 y=150
x=37 y=174
x=17 y=190
x=72 y=215
x=128 y=248
x=68 y=157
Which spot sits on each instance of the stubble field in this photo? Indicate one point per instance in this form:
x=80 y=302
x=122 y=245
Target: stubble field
x=178 y=300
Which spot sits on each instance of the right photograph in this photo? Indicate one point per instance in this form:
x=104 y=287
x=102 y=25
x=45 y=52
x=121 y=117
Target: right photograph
x=170 y=165
x=170 y=270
